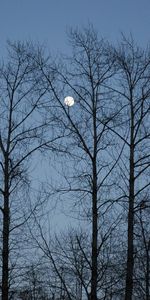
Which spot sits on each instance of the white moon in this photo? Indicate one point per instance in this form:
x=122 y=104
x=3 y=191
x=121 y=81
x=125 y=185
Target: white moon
x=69 y=101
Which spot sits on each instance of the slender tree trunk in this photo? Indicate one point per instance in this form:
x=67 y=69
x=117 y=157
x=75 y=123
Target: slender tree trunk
x=148 y=273
x=5 y=246
x=130 y=251
x=94 y=244
x=94 y=218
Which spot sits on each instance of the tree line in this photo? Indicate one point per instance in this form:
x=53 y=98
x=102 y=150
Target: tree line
x=101 y=146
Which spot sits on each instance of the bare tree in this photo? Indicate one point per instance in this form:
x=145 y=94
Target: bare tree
x=23 y=130
x=132 y=90
x=67 y=258
x=107 y=142
x=86 y=126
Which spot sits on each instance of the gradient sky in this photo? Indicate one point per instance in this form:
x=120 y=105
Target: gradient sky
x=47 y=20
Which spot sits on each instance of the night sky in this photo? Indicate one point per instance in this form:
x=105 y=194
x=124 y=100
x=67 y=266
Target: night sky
x=47 y=21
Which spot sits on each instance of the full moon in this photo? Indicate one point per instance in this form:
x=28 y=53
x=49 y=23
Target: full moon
x=69 y=101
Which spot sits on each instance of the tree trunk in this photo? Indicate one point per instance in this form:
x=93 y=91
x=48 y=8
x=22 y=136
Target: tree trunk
x=130 y=251
x=94 y=217
x=148 y=273
x=5 y=240
x=94 y=248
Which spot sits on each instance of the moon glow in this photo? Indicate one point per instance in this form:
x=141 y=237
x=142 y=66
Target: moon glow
x=69 y=101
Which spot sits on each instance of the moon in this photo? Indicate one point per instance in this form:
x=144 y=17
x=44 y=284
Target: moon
x=69 y=101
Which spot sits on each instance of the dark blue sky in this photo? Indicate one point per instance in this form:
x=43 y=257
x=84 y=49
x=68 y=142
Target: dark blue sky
x=48 y=20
